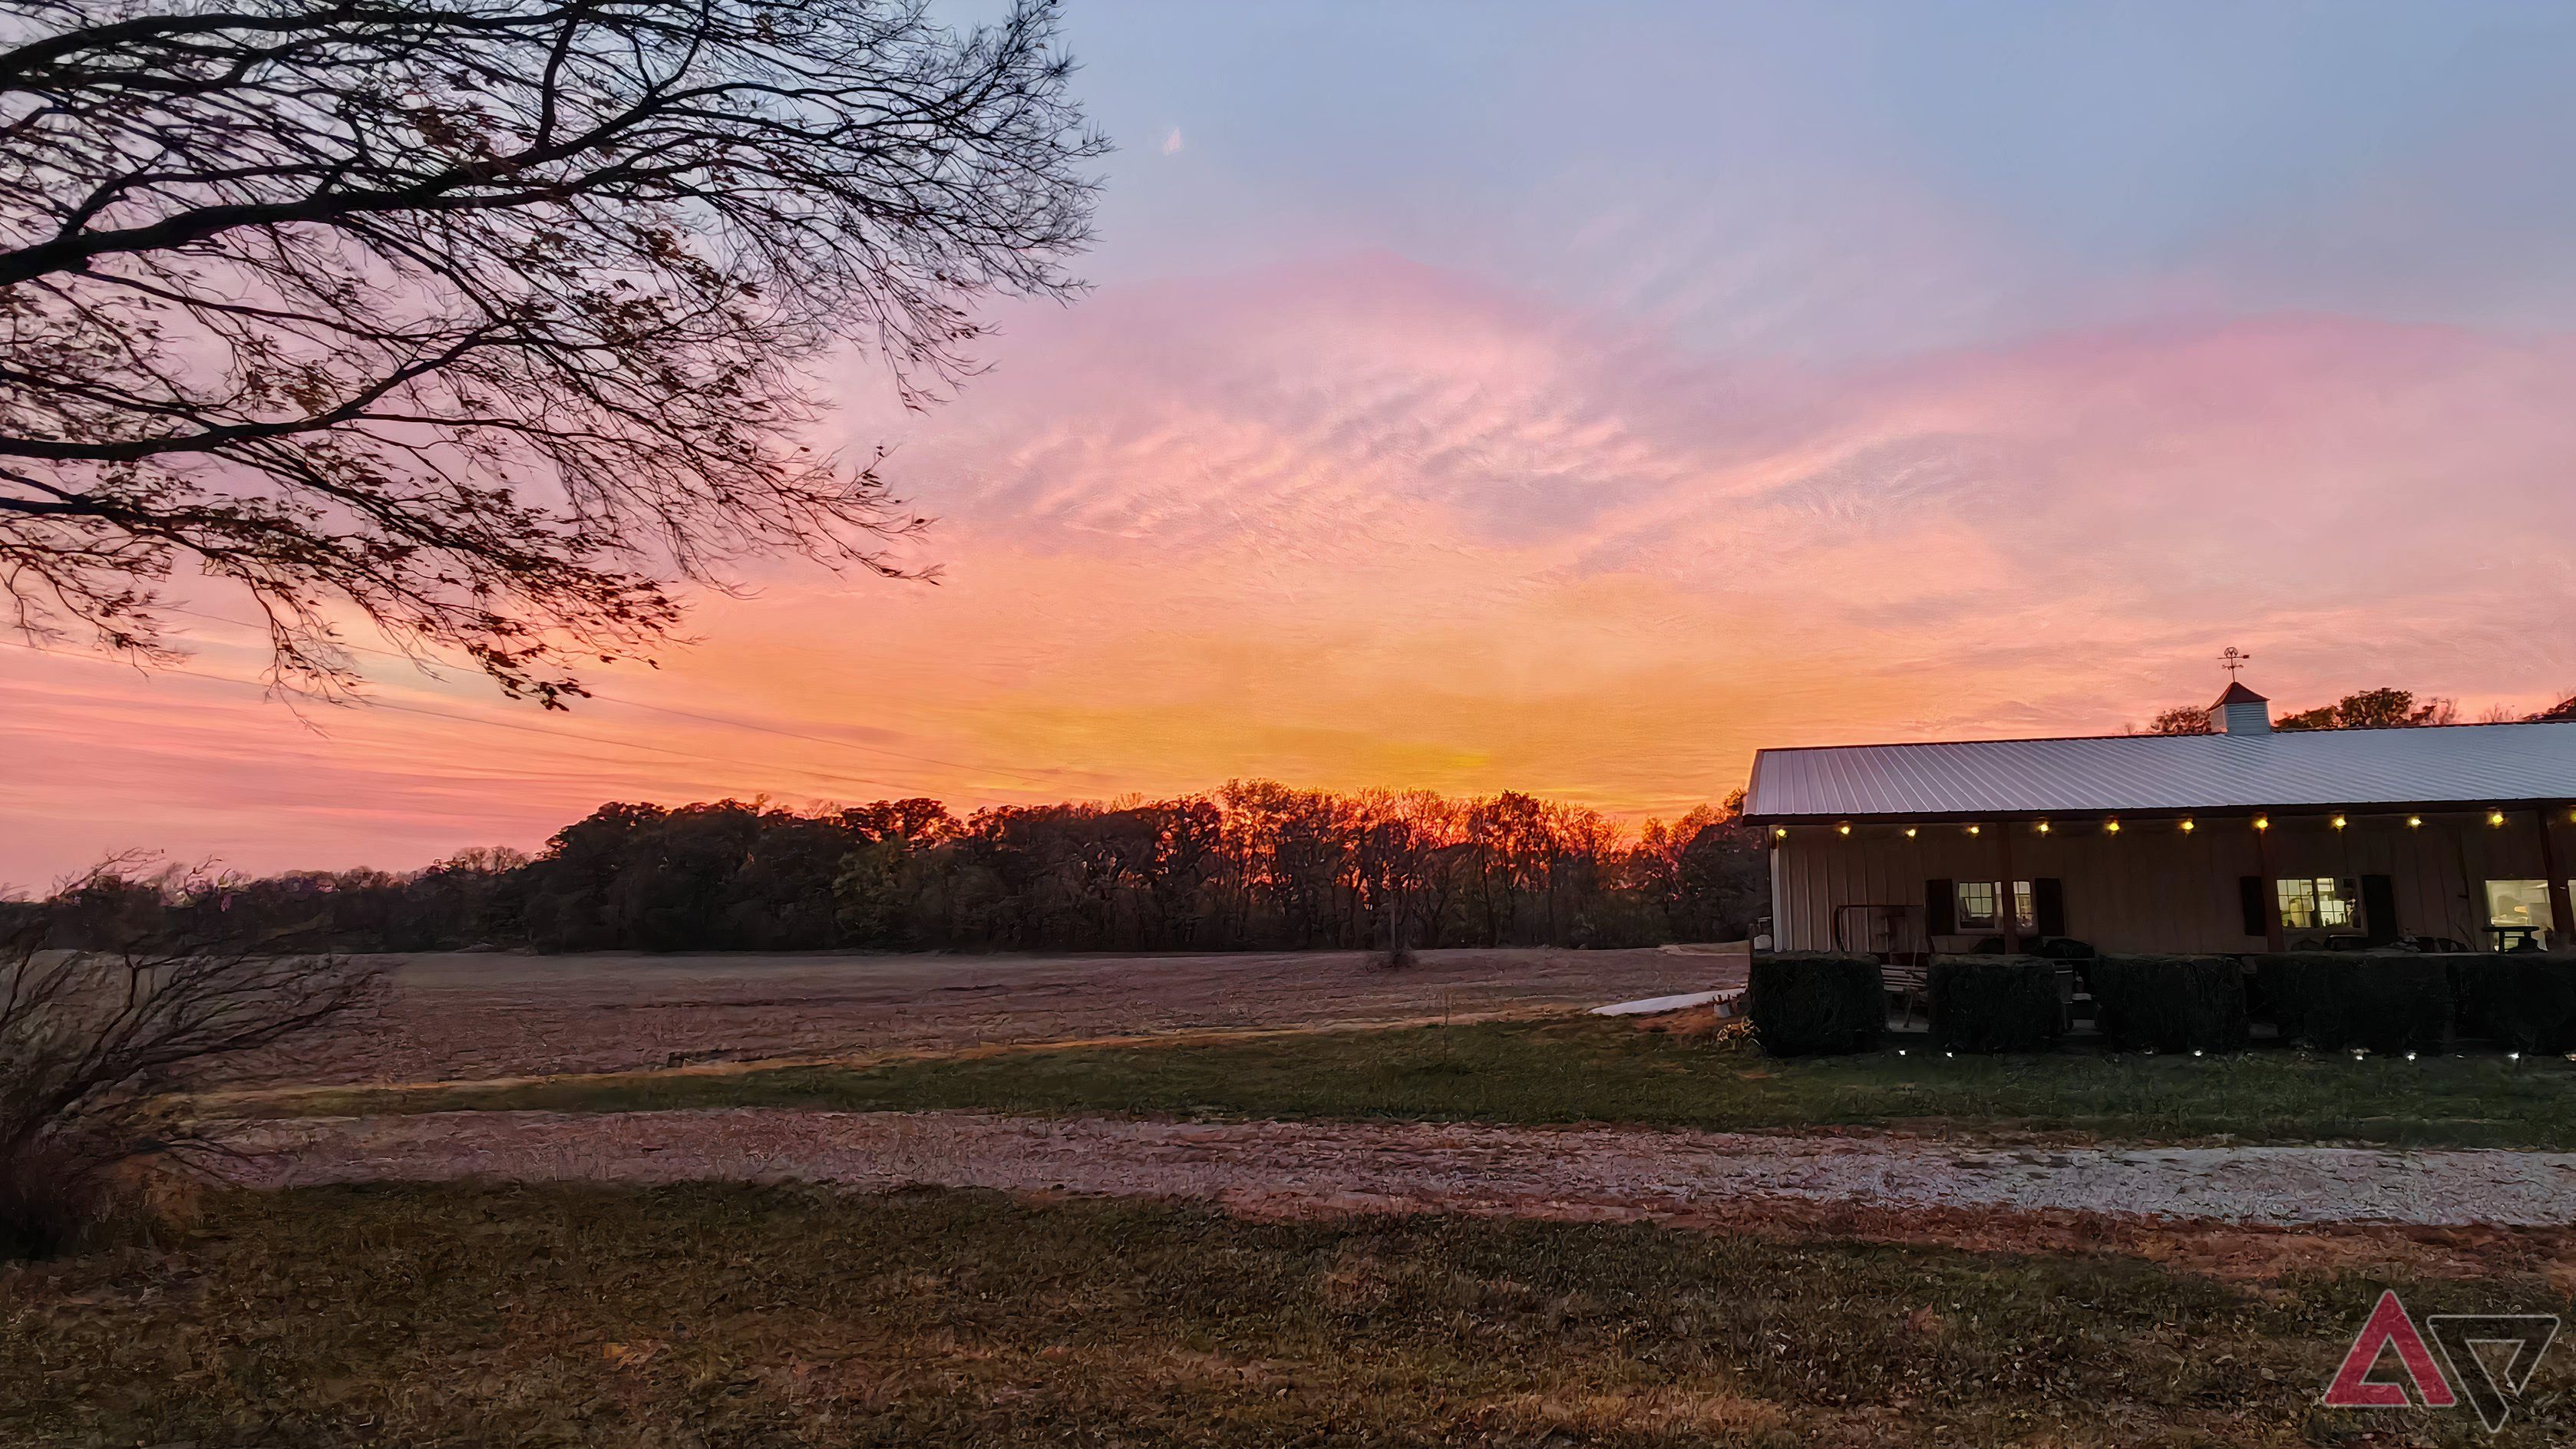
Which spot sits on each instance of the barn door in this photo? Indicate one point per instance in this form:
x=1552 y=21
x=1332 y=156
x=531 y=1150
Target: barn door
x=2379 y=924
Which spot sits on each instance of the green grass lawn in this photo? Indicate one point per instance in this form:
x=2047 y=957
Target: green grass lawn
x=567 y=1316
x=1595 y=1070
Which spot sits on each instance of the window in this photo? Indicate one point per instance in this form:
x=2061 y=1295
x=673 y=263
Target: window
x=1979 y=900
x=2518 y=903
x=1976 y=905
x=2319 y=903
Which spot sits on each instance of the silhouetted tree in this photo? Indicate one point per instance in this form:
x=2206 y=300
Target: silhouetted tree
x=2182 y=719
x=486 y=320
x=2373 y=709
x=1257 y=865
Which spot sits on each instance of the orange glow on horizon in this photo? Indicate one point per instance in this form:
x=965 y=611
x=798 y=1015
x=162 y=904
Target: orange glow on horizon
x=1379 y=526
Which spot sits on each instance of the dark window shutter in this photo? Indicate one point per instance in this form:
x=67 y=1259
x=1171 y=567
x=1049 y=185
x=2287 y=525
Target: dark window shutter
x=2378 y=909
x=2048 y=905
x=1940 y=908
x=2249 y=889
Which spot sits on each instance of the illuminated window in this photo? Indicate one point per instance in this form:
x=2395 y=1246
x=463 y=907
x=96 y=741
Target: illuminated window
x=1977 y=905
x=2319 y=903
x=1979 y=899
x=2518 y=903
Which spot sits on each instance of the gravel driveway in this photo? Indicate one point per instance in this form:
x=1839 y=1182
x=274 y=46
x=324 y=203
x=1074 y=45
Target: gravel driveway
x=1276 y=1167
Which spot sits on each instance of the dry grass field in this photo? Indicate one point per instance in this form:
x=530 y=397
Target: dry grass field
x=1214 y=1226
x=726 y=1315
x=475 y=1016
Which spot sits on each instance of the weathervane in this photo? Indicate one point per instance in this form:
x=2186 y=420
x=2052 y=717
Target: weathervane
x=2234 y=659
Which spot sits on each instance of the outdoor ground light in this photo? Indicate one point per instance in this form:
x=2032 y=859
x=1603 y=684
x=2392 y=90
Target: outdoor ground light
x=2195 y=1051
x=2410 y=1056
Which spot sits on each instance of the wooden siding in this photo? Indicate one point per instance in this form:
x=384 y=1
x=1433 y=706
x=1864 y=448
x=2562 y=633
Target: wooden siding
x=2154 y=886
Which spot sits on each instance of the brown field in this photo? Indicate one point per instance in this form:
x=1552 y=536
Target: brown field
x=474 y=1016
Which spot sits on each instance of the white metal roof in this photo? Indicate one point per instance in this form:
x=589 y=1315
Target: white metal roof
x=2456 y=764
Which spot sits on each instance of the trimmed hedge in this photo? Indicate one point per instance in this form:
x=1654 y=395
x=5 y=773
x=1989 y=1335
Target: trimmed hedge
x=2387 y=1001
x=1806 y=1003
x=1996 y=1003
x=2170 y=1003
x=2524 y=1002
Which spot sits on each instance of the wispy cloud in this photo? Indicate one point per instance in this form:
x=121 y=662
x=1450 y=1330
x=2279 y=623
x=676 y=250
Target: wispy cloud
x=1374 y=523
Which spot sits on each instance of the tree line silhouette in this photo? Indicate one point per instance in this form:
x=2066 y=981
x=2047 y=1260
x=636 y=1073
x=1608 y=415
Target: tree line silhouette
x=1255 y=865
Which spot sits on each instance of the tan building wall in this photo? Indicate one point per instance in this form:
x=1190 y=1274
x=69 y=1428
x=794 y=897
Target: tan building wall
x=2153 y=886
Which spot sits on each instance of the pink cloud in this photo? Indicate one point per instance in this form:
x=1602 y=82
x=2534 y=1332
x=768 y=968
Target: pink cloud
x=1374 y=524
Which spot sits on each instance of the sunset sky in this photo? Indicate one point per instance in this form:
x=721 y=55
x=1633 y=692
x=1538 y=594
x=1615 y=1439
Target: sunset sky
x=1573 y=400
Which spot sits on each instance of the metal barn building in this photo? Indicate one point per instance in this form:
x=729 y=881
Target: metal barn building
x=2242 y=840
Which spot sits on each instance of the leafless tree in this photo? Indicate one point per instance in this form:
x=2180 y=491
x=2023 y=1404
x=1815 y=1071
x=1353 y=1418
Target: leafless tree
x=95 y=1043
x=490 y=321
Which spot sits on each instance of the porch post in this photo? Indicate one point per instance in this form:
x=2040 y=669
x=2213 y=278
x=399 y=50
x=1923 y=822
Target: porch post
x=2272 y=936
x=2560 y=921
x=2007 y=912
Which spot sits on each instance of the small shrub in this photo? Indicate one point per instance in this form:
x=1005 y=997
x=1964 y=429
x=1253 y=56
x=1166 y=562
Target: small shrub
x=2387 y=1001
x=99 y=1048
x=1996 y=1004
x=2520 y=1002
x=1813 y=1002
x=2170 y=1003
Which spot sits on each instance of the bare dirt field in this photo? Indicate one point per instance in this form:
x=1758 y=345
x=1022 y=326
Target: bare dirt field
x=1272 y=1167
x=477 y=1016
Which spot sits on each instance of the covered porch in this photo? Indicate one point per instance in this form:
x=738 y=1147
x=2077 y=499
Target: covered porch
x=2241 y=880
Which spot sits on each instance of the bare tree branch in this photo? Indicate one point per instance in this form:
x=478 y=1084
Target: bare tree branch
x=488 y=319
